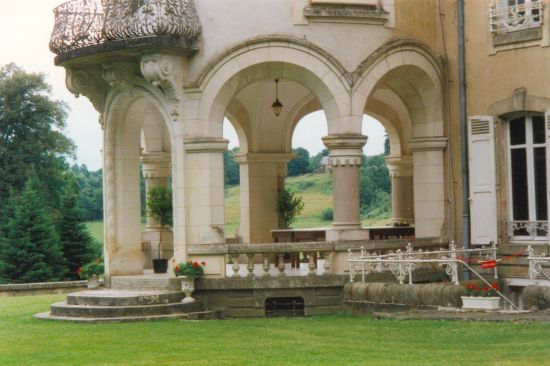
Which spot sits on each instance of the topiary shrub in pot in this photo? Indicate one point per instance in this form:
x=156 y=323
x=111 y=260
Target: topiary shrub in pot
x=159 y=206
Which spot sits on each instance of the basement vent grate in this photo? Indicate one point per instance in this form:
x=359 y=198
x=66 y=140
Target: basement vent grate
x=284 y=306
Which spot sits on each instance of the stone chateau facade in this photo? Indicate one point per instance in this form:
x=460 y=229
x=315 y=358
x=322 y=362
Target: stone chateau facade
x=163 y=75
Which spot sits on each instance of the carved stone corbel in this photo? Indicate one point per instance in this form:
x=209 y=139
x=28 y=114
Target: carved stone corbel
x=89 y=84
x=120 y=76
x=165 y=72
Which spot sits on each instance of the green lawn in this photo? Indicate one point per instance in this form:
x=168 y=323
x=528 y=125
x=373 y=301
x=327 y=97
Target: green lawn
x=327 y=340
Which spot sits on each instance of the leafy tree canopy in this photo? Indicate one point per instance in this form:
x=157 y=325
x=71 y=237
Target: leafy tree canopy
x=31 y=136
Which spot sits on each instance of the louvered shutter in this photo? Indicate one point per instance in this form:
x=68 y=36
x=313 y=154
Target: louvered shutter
x=483 y=199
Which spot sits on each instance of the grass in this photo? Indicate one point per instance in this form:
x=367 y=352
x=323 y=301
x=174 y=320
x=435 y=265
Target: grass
x=326 y=340
x=315 y=190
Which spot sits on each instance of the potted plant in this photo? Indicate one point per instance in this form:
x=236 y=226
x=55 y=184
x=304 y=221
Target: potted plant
x=159 y=206
x=289 y=206
x=188 y=272
x=481 y=298
x=92 y=271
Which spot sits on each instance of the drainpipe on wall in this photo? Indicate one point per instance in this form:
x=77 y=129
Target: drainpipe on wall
x=463 y=134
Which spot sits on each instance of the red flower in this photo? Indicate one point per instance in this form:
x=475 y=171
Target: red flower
x=470 y=286
x=195 y=264
x=203 y=263
x=78 y=270
x=177 y=268
x=496 y=286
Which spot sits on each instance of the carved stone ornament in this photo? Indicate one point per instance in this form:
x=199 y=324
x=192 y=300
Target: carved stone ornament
x=120 y=76
x=89 y=84
x=164 y=72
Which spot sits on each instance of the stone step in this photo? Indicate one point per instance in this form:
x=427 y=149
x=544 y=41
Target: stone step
x=124 y=297
x=94 y=311
x=198 y=315
x=145 y=283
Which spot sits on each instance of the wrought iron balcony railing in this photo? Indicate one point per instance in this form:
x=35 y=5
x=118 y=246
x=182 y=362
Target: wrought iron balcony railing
x=532 y=230
x=82 y=23
x=504 y=19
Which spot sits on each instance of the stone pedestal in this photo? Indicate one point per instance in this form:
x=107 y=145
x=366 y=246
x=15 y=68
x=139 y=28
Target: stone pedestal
x=401 y=173
x=429 y=185
x=262 y=176
x=345 y=158
x=204 y=197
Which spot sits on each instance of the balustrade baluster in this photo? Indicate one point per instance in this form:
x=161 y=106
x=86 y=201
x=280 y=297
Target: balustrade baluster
x=250 y=264
x=281 y=264
x=326 y=265
x=266 y=265
x=236 y=266
x=311 y=264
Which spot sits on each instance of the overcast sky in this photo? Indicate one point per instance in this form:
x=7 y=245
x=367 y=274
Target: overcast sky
x=25 y=28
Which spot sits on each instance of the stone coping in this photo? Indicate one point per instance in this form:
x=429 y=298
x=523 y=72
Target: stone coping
x=284 y=282
x=320 y=246
x=41 y=287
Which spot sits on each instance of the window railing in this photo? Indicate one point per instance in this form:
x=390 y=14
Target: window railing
x=504 y=19
x=530 y=230
x=82 y=23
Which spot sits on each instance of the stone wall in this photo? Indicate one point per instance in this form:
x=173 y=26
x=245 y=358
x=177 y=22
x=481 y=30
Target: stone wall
x=358 y=295
x=44 y=288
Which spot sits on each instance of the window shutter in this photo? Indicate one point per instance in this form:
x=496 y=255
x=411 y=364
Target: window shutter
x=483 y=199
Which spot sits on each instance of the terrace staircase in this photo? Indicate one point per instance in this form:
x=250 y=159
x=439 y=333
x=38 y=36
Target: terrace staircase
x=130 y=298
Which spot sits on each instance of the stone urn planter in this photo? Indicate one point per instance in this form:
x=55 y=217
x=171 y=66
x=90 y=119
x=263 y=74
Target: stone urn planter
x=187 y=287
x=480 y=303
x=93 y=282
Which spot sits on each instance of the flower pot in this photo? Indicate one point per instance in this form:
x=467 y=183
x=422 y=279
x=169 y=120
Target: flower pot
x=187 y=286
x=93 y=282
x=160 y=265
x=480 y=303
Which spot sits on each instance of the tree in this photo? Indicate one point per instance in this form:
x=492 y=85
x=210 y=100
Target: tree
x=31 y=135
x=29 y=244
x=90 y=187
x=230 y=167
x=300 y=164
x=77 y=244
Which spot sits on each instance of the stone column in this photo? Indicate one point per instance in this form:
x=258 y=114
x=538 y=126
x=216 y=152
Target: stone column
x=262 y=176
x=156 y=171
x=401 y=173
x=204 y=198
x=345 y=154
x=429 y=185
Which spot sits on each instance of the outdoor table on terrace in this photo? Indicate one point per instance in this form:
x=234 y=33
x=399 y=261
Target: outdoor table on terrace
x=295 y=236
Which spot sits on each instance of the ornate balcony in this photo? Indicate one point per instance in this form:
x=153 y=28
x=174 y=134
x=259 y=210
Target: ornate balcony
x=84 y=23
x=504 y=19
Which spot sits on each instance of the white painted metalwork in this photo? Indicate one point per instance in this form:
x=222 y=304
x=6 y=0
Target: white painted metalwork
x=402 y=264
x=528 y=229
x=504 y=18
x=82 y=23
x=535 y=264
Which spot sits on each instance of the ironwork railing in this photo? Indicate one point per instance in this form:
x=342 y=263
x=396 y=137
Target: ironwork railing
x=517 y=17
x=402 y=264
x=528 y=229
x=536 y=263
x=81 y=23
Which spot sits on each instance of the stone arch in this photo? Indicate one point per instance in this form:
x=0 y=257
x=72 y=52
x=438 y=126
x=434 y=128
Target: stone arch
x=268 y=59
x=303 y=108
x=414 y=73
x=240 y=120
x=122 y=151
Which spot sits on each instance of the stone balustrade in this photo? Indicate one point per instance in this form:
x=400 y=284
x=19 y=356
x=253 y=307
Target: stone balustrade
x=323 y=258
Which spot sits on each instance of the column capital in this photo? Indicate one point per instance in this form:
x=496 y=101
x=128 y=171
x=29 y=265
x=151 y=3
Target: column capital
x=345 y=149
x=205 y=145
x=428 y=143
x=251 y=157
x=400 y=165
x=155 y=164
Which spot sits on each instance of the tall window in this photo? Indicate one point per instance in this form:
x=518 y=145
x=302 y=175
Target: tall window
x=527 y=174
x=514 y=15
